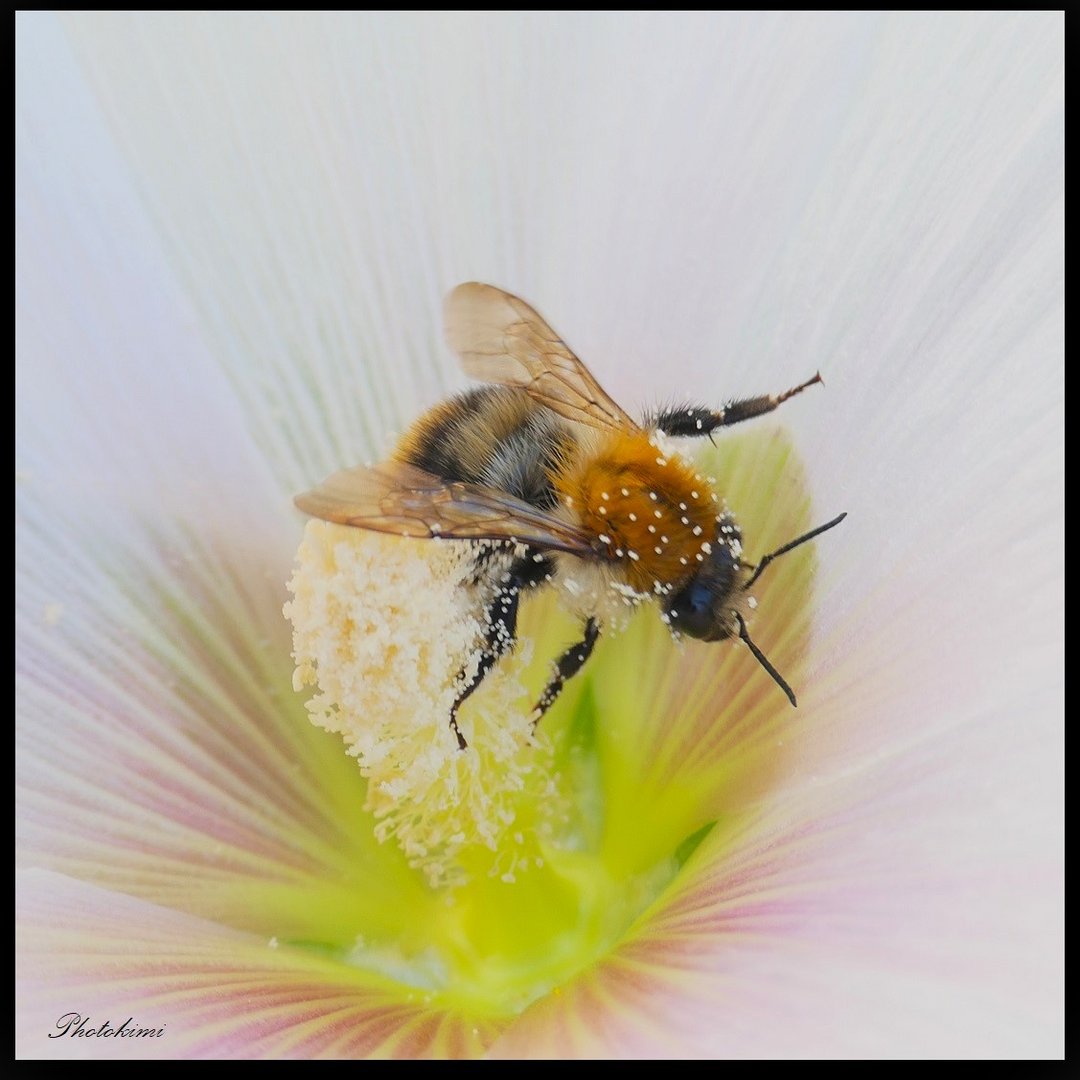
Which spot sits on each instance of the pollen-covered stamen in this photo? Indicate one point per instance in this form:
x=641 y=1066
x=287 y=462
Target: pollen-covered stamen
x=382 y=627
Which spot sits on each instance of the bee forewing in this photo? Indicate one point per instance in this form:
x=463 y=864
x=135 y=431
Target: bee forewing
x=501 y=339
x=395 y=497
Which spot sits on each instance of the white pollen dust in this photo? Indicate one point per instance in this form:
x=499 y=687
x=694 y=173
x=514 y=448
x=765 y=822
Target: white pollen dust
x=384 y=630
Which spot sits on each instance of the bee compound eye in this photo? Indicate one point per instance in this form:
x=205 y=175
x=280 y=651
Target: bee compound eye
x=691 y=611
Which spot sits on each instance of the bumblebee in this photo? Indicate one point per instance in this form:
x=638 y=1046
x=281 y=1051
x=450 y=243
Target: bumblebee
x=557 y=479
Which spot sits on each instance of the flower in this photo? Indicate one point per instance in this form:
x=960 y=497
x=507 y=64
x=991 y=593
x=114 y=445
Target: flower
x=233 y=234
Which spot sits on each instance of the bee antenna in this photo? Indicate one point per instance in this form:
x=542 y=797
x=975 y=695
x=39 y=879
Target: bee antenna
x=763 y=660
x=760 y=569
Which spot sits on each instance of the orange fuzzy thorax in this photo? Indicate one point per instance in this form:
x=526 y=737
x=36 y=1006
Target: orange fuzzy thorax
x=655 y=515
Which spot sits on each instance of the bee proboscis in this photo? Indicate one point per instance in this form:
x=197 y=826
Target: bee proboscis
x=547 y=468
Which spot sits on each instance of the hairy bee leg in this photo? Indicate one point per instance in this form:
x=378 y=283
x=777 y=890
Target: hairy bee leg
x=502 y=627
x=698 y=420
x=502 y=632
x=568 y=665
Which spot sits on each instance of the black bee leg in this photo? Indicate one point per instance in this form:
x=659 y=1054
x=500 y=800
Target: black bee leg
x=502 y=630
x=502 y=627
x=698 y=420
x=568 y=665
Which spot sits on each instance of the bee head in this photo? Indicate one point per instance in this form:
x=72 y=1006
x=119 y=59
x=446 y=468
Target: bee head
x=702 y=607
